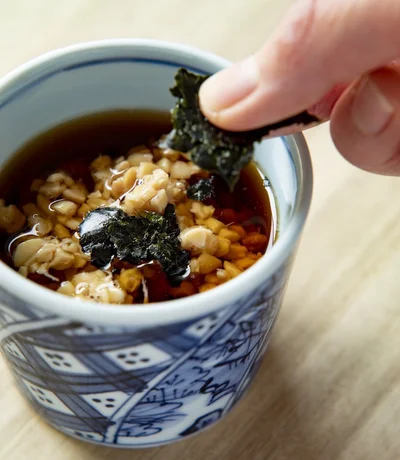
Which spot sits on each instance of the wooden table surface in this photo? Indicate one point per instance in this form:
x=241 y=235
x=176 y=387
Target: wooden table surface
x=329 y=385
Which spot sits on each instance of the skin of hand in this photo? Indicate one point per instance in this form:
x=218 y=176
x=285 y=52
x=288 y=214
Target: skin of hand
x=337 y=60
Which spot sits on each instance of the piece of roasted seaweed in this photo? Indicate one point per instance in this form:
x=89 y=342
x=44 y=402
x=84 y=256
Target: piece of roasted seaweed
x=211 y=148
x=108 y=233
x=222 y=152
x=202 y=190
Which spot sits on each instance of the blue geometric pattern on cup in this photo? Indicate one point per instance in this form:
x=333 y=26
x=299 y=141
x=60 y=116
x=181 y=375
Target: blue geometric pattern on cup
x=138 y=388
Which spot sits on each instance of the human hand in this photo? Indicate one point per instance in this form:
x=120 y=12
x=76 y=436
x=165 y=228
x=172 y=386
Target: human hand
x=333 y=58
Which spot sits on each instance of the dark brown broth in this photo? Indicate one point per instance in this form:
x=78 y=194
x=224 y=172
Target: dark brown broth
x=73 y=145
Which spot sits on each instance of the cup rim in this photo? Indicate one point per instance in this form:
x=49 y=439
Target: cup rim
x=178 y=310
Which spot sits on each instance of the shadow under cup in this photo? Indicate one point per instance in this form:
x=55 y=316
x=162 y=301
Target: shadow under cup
x=146 y=375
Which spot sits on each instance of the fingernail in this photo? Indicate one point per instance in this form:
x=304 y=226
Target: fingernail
x=229 y=86
x=371 y=110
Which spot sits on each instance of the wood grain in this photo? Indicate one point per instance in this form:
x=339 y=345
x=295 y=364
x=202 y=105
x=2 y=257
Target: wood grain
x=329 y=386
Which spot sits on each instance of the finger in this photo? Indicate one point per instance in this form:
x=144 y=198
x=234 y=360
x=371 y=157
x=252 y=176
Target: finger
x=366 y=122
x=321 y=43
x=313 y=116
x=321 y=112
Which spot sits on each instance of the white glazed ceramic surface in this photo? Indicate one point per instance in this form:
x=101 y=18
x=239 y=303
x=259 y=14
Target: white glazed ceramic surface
x=144 y=375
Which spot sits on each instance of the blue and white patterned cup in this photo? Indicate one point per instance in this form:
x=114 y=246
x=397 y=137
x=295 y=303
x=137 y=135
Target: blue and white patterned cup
x=144 y=375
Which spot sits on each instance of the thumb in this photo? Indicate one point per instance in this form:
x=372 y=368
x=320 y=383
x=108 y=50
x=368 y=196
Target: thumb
x=321 y=47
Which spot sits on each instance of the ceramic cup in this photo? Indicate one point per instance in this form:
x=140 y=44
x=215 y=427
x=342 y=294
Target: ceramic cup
x=144 y=375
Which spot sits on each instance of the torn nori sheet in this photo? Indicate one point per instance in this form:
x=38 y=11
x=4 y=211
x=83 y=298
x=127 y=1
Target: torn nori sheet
x=202 y=190
x=108 y=233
